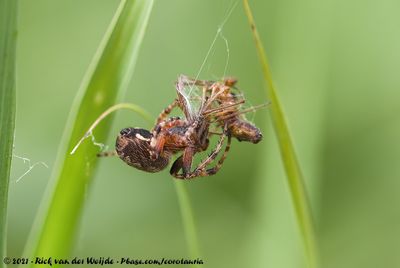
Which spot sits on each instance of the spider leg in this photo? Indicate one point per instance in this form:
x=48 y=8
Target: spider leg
x=107 y=154
x=183 y=162
x=200 y=170
x=157 y=146
x=176 y=166
x=216 y=168
x=187 y=160
x=212 y=155
x=163 y=115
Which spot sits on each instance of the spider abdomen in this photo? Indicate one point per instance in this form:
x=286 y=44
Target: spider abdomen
x=133 y=147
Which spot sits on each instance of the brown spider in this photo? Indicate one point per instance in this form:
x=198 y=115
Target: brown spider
x=151 y=151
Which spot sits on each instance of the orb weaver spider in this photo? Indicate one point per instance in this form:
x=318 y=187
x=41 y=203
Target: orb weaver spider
x=217 y=107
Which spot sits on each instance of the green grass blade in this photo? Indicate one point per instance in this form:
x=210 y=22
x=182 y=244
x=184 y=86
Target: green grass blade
x=187 y=219
x=291 y=165
x=104 y=84
x=8 y=18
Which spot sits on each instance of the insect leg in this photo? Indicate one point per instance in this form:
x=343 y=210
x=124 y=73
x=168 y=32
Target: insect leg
x=187 y=81
x=230 y=115
x=215 y=133
x=223 y=107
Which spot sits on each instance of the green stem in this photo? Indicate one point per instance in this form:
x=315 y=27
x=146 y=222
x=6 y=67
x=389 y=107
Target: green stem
x=8 y=22
x=187 y=219
x=290 y=162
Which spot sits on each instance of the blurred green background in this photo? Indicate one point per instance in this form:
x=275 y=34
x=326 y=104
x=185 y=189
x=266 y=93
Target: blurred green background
x=336 y=65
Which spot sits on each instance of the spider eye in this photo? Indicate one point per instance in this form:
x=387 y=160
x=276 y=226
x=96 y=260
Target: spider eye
x=125 y=131
x=136 y=133
x=141 y=133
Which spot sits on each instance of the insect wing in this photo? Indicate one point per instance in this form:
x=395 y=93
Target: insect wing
x=190 y=97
